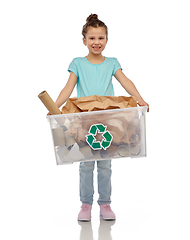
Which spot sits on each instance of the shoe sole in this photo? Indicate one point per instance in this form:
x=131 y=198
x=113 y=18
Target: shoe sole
x=84 y=220
x=107 y=219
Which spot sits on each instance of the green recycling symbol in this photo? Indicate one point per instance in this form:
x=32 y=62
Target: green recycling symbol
x=91 y=140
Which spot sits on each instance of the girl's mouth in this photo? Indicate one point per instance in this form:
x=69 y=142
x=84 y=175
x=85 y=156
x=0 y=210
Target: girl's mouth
x=96 y=48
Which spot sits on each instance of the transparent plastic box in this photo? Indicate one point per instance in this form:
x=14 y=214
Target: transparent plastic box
x=99 y=135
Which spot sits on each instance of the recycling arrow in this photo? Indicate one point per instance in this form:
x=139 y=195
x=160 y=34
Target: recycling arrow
x=91 y=140
x=101 y=128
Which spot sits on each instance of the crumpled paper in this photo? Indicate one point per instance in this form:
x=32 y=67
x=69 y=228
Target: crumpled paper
x=96 y=103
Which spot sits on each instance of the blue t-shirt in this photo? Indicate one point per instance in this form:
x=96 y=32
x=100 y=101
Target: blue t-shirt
x=94 y=79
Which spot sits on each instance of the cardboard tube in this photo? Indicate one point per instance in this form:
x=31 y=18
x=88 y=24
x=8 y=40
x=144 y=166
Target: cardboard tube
x=49 y=103
x=135 y=149
x=123 y=150
x=58 y=136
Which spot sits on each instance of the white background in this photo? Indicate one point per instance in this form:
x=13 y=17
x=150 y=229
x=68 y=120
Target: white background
x=39 y=38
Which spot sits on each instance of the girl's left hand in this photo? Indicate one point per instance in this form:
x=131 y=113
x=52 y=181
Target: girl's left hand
x=141 y=102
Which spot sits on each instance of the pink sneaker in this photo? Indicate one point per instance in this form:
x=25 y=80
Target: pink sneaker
x=106 y=213
x=85 y=213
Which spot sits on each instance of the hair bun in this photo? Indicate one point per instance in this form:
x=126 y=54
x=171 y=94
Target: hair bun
x=93 y=21
x=92 y=17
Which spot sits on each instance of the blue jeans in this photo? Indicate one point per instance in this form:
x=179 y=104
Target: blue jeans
x=104 y=182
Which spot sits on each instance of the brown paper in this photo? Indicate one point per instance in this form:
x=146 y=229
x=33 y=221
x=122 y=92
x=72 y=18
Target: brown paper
x=96 y=103
x=49 y=103
x=58 y=136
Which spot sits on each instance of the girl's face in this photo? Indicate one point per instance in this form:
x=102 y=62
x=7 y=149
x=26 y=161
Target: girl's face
x=95 y=40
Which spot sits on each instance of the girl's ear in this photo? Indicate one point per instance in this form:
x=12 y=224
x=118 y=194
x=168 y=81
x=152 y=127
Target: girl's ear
x=84 y=41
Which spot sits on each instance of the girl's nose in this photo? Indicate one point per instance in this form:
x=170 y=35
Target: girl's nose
x=96 y=41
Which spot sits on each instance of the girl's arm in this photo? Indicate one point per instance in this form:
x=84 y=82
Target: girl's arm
x=129 y=86
x=67 y=90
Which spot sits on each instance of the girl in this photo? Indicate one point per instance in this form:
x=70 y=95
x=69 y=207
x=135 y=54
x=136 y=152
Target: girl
x=93 y=76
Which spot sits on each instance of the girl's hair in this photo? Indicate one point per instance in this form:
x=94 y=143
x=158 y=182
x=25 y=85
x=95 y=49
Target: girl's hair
x=93 y=21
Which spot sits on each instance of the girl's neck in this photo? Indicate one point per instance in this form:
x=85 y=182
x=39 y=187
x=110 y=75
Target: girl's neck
x=95 y=59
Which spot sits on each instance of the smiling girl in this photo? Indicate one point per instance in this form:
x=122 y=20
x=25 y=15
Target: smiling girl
x=93 y=76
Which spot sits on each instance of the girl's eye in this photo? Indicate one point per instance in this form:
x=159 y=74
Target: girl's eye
x=91 y=38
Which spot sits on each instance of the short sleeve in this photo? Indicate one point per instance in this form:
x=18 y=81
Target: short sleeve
x=73 y=67
x=116 y=66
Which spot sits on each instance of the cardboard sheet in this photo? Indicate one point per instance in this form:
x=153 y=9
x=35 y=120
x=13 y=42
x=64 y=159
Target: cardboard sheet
x=96 y=103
